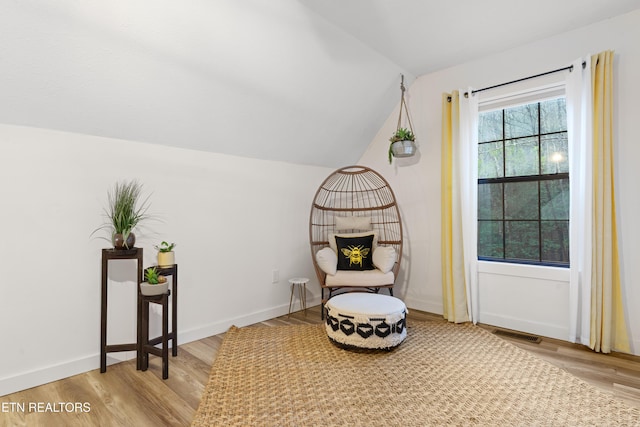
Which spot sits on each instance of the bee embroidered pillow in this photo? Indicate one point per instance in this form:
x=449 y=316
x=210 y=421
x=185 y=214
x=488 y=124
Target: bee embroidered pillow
x=355 y=253
x=332 y=238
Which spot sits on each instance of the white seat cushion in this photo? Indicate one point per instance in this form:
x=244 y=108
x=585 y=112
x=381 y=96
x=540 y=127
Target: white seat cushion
x=360 y=278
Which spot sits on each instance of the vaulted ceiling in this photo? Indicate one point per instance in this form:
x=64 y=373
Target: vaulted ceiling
x=303 y=81
x=428 y=35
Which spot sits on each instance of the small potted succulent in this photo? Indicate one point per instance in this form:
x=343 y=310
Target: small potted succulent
x=402 y=144
x=154 y=284
x=166 y=256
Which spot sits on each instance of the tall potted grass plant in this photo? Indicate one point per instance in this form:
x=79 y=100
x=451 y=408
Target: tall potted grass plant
x=125 y=210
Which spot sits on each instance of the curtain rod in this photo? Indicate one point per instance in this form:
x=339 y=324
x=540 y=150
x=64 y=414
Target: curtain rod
x=570 y=68
x=473 y=92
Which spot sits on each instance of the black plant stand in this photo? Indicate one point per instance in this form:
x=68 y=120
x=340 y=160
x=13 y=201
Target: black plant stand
x=118 y=254
x=173 y=335
x=148 y=346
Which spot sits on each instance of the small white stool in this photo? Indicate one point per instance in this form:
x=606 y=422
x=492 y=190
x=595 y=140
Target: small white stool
x=301 y=284
x=364 y=320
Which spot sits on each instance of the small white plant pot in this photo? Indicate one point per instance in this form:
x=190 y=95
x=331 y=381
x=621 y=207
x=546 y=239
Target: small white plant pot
x=150 y=290
x=403 y=148
x=166 y=259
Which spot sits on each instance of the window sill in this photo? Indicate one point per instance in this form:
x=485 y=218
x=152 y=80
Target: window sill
x=524 y=270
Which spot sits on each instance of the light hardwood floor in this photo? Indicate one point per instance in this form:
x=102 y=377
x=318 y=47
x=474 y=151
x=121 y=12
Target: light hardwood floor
x=125 y=397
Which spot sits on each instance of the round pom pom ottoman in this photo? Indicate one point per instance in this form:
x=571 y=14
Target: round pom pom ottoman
x=366 y=320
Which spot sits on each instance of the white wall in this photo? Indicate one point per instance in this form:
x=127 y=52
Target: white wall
x=191 y=73
x=417 y=181
x=234 y=219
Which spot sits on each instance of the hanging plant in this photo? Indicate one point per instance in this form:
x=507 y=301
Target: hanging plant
x=402 y=134
x=402 y=141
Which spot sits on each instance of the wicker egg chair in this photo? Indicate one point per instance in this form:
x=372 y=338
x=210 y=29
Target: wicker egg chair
x=355 y=191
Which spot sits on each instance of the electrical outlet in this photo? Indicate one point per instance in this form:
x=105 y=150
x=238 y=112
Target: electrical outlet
x=275 y=276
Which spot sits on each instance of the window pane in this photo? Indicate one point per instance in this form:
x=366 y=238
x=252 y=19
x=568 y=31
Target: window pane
x=555 y=241
x=490 y=201
x=553 y=115
x=490 y=126
x=521 y=157
x=490 y=239
x=522 y=240
x=490 y=160
x=521 y=200
x=555 y=153
x=523 y=205
x=521 y=121
x=554 y=199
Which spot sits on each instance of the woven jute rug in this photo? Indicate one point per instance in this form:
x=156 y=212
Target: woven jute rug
x=442 y=374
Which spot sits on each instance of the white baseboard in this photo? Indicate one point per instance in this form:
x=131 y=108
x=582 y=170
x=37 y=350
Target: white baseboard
x=525 y=325
x=423 y=305
x=38 y=377
x=67 y=369
x=244 y=320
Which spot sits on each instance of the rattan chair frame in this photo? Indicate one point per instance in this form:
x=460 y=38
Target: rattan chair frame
x=354 y=191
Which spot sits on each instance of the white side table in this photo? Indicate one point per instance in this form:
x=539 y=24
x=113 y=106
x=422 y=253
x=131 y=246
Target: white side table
x=301 y=284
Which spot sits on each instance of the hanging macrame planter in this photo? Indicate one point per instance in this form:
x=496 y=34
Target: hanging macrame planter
x=403 y=140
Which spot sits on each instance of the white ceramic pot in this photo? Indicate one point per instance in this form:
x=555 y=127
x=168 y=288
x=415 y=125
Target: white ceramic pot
x=166 y=259
x=150 y=290
x=403 y=148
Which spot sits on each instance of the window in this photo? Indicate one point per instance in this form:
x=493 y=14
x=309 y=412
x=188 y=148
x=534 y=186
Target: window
x=523 y=185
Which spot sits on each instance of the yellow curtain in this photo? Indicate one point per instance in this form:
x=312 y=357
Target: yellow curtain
x=453 y=277
x=608 y=328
